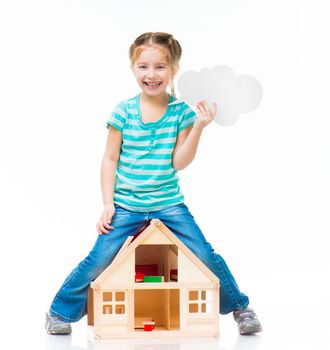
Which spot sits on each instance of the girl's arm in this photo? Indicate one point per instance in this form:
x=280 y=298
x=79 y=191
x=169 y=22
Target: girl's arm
x=108 y=178
x=188 y=139
x=185 y=147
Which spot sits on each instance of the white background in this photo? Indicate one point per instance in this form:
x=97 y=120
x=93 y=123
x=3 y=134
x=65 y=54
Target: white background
x=259 y=190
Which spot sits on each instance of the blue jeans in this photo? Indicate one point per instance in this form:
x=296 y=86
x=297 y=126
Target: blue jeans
x=70 y=303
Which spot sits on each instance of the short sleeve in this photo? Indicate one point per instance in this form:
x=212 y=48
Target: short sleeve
x=188 y=117
x=118 y=117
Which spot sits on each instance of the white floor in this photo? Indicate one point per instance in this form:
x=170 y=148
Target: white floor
x=292 y=329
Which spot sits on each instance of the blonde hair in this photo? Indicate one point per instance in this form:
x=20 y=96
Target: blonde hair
x=163 y=41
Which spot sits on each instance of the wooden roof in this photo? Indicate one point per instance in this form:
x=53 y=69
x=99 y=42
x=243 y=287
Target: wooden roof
x=132 y=242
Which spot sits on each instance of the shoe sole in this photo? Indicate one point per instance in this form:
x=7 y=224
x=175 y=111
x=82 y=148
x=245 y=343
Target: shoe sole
x=59 y=332
x=251 y=330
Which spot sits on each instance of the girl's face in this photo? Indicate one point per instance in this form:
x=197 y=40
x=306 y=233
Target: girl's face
x=152 y=72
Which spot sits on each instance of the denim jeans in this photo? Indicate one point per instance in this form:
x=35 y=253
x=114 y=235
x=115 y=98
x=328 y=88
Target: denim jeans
x=70 y=303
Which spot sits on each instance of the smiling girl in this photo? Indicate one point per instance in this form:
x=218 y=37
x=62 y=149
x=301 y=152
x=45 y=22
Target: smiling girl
x=150 y=138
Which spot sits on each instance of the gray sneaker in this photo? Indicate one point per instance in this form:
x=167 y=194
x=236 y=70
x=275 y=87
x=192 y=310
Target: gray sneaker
x=247 y=321
x=54 y=325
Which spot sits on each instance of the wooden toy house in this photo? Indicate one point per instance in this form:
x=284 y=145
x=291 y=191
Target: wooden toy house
x=154 y=287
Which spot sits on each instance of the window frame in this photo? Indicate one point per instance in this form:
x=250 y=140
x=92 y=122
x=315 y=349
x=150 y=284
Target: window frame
x=199 y=301
x=113 y=303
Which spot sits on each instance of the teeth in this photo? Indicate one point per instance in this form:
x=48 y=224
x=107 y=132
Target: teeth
x=152 y=84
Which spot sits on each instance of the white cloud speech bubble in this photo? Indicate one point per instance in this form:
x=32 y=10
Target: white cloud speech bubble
x=233 y=94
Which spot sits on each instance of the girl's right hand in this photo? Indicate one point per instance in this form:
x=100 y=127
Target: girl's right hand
x=103 y=225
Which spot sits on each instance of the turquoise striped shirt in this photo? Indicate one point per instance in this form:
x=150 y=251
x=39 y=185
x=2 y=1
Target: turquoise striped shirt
x=145 y=177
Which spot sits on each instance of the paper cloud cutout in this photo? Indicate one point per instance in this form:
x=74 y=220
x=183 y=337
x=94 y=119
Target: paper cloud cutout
x=233 y=94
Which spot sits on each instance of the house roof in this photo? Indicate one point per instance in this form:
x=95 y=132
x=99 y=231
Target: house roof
x=132 y=242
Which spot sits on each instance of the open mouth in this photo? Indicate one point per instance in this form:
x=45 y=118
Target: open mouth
x=151 y=84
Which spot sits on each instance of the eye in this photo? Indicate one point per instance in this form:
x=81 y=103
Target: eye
x=142 y=67
x=160 y=67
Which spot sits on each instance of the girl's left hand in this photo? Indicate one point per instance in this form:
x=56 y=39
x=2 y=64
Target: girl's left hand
x=205 y=113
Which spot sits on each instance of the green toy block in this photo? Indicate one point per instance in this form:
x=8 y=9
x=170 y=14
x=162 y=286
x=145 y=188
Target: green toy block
x=153 y=278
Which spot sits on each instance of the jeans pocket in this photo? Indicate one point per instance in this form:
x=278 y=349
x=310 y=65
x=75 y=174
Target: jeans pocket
x=121 y=212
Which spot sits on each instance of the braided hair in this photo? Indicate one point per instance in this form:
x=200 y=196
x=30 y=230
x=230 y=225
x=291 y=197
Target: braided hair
x=165 y=41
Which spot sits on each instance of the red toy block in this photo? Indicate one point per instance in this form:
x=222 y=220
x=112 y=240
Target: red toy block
x=174 y=274
x=149 y=326
x=147 y=270
x=139 y=277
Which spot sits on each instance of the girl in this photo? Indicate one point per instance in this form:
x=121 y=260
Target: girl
x=150 y=138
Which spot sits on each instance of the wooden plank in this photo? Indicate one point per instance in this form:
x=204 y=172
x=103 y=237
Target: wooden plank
x=166 y=309
x=90 y=307
x=164 y=285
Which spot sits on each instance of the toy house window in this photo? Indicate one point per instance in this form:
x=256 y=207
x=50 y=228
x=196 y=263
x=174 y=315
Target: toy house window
x=199 y=302
x=114 y=303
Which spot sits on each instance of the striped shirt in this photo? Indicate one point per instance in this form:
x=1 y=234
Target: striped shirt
x=145 y=178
